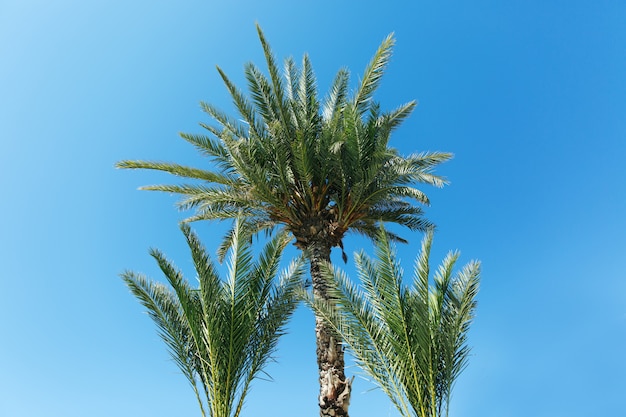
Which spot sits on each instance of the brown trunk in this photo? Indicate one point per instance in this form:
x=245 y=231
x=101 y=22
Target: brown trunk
x=335 y=388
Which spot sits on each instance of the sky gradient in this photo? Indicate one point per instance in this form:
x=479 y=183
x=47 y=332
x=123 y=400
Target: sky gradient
x=529 y=95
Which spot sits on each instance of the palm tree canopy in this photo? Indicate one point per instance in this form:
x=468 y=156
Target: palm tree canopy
x=222 y=333
x=410 y=340
x=318 y=167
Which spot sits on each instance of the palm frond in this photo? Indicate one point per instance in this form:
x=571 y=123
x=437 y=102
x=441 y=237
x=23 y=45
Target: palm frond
x=231 y=125
x=176 y=169
x=164 y=309
x=307 y=93
x=207 y=145
x=373 y=74
x=246 y=110
x=418 y=168
x=393 y=119
x=277 y=84
x=337 y=96
x=261 y=92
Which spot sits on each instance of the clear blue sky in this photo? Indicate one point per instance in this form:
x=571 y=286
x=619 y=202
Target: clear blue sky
x=530 y=95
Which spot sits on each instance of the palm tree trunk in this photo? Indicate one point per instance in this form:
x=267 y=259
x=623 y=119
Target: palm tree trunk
x=335 y=388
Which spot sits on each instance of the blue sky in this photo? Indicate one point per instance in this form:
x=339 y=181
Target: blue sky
x=529 y=95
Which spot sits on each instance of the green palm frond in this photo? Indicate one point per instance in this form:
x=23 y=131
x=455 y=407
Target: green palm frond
x=178 y=170
x=411 y=340
x=373 y=74
x=278 y=89
x=337 y=96
x=418 y=167
x=230 y=125
x=371 y=231
x=222 y=333
x=207 y=145
x=307 y=94
x=246 y=110
x=389 y=121
x=261 y=91
x=165 y=310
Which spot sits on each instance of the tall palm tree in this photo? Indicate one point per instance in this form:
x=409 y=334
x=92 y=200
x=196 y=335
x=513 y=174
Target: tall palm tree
x=222 y=333
x=315 y=169
x=410 y=340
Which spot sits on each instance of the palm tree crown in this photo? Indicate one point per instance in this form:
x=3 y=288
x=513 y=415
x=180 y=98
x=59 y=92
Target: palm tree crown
x=222 y=333
x=317 y=169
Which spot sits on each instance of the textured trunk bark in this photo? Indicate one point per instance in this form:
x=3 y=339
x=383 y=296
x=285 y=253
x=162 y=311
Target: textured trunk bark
x=335 y=388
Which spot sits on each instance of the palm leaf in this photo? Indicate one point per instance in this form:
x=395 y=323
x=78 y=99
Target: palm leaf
x=336 y=98
x=373 y=74
x=176 y=169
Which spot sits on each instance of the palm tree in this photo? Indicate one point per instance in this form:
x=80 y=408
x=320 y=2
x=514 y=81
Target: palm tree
x=411 y=341
x=315 y=169
x=222 y=333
